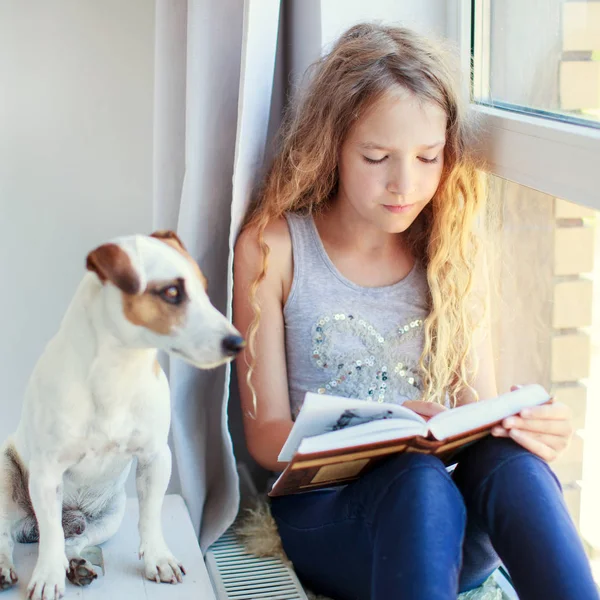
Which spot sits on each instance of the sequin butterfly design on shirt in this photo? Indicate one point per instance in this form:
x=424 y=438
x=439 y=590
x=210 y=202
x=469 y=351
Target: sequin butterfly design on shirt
x=360 y=362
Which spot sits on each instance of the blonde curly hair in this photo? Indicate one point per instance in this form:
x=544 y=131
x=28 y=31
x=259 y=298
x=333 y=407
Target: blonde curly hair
x=366 y=62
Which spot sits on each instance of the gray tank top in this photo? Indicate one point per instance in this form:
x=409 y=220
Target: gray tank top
x=347 y=340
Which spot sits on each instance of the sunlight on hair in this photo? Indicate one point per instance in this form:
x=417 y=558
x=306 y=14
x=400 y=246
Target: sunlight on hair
x=367 y=62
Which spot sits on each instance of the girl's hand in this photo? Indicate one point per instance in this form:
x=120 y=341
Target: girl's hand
x=544 y=430
x=425 y=409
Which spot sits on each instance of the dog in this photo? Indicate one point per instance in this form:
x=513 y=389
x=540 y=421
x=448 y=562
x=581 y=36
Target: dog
x=96 y=399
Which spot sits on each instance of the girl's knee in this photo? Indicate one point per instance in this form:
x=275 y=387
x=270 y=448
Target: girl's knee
x=419 y=501
x=401 y=464
x=494 y=458
x=415 y=482
x=492 y=452
x=493 y=449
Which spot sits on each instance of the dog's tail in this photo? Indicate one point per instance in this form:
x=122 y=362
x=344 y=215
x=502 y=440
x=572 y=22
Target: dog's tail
x=26 y=530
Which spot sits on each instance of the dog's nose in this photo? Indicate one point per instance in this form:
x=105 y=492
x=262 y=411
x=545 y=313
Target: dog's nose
x=232 y=344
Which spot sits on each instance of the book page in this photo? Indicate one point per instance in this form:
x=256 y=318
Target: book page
x=479 y=414
x=367 y=433
x=322 y=413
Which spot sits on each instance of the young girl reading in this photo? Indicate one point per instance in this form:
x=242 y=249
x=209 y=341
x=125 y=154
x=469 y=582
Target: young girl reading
x=356 y=274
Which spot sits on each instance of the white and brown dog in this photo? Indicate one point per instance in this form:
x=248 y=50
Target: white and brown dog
x=96 y=399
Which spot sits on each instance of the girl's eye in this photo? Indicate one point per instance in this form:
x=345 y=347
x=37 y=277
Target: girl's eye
x=374 y=161
x=429 y=161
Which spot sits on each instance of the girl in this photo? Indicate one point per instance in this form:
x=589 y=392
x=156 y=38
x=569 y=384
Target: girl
x=356 y=274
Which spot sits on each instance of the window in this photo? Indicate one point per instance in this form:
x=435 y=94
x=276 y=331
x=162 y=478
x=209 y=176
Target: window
x=539 y=57
x=530 y=138
x=536 y=88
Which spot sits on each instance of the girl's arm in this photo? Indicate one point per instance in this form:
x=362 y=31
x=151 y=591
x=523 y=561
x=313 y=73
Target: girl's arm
x=267 y=427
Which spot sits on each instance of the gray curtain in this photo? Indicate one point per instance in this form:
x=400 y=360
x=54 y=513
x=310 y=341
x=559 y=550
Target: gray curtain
x=214 y=66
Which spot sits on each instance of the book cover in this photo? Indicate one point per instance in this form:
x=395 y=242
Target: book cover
x=336 y=440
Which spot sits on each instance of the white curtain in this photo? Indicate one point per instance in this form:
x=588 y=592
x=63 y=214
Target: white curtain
x=214 y=65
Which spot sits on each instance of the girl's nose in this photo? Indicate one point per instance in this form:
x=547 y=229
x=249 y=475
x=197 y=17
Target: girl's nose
x=401 y=182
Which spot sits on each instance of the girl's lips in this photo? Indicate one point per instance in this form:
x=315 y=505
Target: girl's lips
x=397 y=209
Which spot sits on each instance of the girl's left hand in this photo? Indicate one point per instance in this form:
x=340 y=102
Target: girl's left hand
x=545 y=430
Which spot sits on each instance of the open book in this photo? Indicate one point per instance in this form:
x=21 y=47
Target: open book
x=335 y=440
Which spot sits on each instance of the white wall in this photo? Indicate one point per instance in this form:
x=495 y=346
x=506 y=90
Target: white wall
x=426 y=16
x=315 y=24
x=76 y=89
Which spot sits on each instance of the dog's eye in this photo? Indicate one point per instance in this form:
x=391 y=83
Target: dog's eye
x=172 y=294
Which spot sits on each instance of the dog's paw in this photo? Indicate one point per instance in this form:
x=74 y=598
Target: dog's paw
x=162 y=566
x=8 y=576
x=48 y=580
x=81 y=572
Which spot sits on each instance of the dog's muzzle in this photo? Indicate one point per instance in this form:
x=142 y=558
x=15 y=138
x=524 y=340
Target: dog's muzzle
x=232 y=344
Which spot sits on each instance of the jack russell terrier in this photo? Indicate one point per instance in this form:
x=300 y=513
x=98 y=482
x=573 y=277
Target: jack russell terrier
x=96 y=399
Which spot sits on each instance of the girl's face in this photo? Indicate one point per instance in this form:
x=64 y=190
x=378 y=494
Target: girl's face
x=391 y=162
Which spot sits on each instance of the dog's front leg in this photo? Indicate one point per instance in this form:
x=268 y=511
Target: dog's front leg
x=45 y=491
x=153 y=473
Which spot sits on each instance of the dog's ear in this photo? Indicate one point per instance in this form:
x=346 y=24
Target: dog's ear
x=170 y=237
x=111 y=263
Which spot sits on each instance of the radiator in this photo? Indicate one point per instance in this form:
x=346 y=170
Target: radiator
x=238 y=575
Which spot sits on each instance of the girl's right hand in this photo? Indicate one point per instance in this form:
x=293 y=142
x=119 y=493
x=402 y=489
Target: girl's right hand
x=425 y=409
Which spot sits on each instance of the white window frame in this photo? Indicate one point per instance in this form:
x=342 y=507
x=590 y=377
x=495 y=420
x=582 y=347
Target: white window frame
x=557 y=158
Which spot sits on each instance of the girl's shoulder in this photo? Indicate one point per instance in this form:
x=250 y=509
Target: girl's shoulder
x=249 y=257
x=276 y=236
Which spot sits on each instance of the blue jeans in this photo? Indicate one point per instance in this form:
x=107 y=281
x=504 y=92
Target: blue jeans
x=410 y=530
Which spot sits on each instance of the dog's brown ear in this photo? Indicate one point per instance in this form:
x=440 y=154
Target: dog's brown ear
x=171 y=238
x=111 y=263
